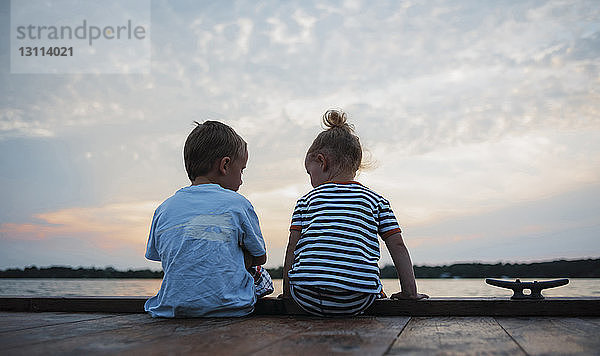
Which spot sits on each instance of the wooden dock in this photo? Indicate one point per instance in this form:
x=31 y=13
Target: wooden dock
x=269 y=332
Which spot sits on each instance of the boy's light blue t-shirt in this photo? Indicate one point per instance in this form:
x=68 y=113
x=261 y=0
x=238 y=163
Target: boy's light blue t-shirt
x=198 y=235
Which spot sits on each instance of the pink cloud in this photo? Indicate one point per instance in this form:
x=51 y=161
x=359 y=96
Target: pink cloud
x=108 y=227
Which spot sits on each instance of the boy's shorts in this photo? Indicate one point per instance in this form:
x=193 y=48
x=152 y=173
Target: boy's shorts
x=331 y=301
x=263 y=284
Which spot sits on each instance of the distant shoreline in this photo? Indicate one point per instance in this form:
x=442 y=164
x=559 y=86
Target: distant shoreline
x=583 y=268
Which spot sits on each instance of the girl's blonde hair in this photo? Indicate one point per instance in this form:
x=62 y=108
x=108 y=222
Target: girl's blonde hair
x=338 y=143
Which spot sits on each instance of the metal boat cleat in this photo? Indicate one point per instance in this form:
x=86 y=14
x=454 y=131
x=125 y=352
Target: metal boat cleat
x=535 y=287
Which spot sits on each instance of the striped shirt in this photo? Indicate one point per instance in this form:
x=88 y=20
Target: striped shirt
x=338 y=246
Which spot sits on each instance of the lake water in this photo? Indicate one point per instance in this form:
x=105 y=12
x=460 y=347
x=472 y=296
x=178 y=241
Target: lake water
x=577 y=287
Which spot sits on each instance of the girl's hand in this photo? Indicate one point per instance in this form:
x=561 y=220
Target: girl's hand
x=406 y=296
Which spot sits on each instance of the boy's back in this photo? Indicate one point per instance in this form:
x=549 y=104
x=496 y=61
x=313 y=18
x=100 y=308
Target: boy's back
x=198 y=235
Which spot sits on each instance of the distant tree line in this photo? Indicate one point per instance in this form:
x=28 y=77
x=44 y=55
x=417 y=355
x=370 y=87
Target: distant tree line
x=69 y=272
x=589 y=268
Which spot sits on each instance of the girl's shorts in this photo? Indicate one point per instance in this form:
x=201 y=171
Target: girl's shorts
x=331 y=301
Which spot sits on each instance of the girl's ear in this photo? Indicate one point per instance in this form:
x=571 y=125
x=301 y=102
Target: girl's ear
x=224 y=164
x=322 y=162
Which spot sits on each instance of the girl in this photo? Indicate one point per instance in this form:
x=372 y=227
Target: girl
x=331 y=260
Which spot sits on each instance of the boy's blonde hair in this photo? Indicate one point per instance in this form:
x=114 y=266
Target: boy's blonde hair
x=208 y=142
x=338 y=143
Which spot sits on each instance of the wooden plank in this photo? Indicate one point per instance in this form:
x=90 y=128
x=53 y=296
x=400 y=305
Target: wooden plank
x=251 y=335
x=140 y=334
x=181 y=336
x=123 y=334
x=13 y=321
x=273 y=306
x=454 y=336
x=214 y=336
x=276 y=306
x=487 y=307
x=550 y=335
x=352 y=336
x=59 y=331
x=277 y=335
x=74 y=304
x=592 y=320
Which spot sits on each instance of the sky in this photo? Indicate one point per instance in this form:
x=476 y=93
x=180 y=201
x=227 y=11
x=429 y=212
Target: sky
x=480 y=121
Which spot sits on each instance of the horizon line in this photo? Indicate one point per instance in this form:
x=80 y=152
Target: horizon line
x=386 y=265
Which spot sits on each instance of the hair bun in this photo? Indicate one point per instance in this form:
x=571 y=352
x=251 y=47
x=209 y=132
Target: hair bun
x=335 y=118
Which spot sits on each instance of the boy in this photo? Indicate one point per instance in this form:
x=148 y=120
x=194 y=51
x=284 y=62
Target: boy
x=207 y=234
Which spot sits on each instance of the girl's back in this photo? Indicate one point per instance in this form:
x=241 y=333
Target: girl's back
x=339 y=223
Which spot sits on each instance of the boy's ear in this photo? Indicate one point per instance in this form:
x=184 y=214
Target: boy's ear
x=224 y=164
x=322 y=161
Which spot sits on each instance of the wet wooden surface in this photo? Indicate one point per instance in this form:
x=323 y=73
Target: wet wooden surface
x=454 y=335
x=65 y=333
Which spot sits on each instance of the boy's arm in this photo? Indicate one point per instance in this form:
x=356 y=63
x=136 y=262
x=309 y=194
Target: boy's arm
x=251 y=261
x=404 y=268
x=252 y=242
x=260 y=260
x=151 y=250
x=289 y=259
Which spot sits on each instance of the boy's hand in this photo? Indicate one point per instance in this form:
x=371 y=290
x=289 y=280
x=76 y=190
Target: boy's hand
x=406 y=296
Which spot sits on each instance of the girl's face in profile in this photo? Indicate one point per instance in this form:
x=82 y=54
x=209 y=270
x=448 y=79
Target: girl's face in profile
x=316 y=168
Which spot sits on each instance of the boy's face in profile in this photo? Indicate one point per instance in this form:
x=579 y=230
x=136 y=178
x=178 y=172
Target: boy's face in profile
x=233 y=179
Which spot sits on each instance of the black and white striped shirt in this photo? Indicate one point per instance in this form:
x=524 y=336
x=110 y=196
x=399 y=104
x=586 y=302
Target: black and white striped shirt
x=338 y=246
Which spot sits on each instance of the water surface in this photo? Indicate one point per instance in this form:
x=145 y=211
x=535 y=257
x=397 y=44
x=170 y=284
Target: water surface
x=577 y=287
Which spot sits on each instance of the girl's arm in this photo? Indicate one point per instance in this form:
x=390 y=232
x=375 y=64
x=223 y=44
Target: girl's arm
x=289 y=259
x=404 y=268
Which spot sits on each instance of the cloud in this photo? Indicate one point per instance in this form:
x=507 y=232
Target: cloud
x=13 y=124
x=481 y=177
x=281 y=34
x=559 y=226
x=108 y=226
